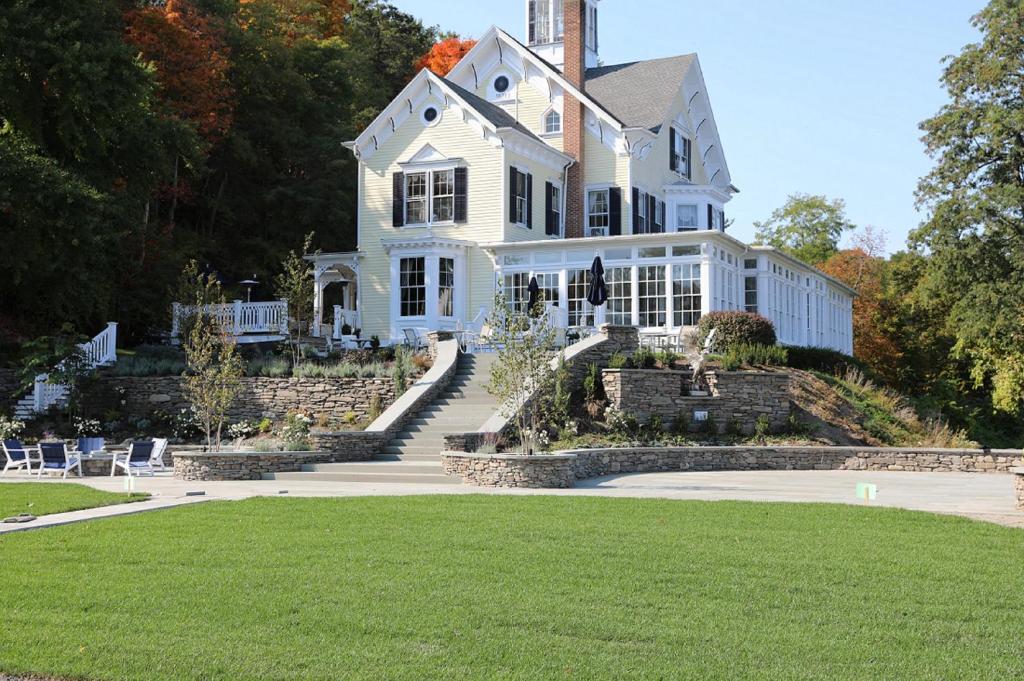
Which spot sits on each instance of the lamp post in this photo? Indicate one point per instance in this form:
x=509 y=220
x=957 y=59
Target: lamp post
x=248 y=284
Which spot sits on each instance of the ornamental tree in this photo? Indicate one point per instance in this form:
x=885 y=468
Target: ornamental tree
x=808 y=227
x=444 y=55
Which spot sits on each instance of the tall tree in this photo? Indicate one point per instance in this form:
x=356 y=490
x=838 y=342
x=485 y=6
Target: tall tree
x=975 y=201
x=807 y=227
x=445 y=54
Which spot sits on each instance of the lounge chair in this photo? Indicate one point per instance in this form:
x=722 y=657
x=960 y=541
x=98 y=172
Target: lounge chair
x=159 y=447
x=91 y=445
x=413 y=340
x=56 y=457
x=139 y=458
x=19 y=456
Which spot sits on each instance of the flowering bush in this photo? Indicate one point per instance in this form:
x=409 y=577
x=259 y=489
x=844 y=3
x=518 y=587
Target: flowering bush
x=243 y=430
x=87 y=427
x=619 y=421
x=295 y=432
x=10 y=428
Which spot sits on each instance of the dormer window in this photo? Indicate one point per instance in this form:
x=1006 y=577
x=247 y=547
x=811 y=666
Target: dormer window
x=552 y=123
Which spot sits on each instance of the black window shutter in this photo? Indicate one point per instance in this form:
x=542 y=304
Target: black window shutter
x=722 y=215
x=529 y=201
x=652 y=214
x=614 y=211
x=398 y=200
x=550 y=228
x=711 y=217
x=636 y=210
x=689 y=159
x=673 y=162
x=512 y=195
x=461 y=193
x=663 y=214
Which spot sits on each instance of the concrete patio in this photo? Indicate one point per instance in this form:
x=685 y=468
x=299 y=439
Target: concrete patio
x=981 y=497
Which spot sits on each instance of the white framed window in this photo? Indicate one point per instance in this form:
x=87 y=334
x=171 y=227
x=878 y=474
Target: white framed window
x=442 y=197
x=520 y=199
x=686 y=294
x=581 y=313
x=598 y=214
x=416 y=198
x=445 y=287
x=552 y=123
x=412 y=286
x=556 y=207
x=430 y=197
x=546 y=22
x=549 y=287
x=431 y=116
x=651 y=304
x=592 y=27
x=687 y=217
x=516 y=289
x=682 y=156
x=642 y=223
x=718 y=219
x=620 y=295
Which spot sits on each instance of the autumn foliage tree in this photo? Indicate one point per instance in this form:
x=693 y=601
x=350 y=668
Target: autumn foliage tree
x=444 y=55
x=191 y=61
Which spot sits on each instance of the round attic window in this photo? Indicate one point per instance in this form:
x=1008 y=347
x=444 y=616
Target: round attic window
x=431 y=115
x=501 y=84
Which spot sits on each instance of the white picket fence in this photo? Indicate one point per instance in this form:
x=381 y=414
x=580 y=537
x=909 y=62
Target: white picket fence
x=100 y=351
x=239 y=318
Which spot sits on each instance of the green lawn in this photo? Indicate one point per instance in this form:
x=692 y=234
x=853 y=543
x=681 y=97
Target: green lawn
x=42 y=498
x=515 y=587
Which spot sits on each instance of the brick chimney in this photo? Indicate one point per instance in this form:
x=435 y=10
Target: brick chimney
x=575 y=71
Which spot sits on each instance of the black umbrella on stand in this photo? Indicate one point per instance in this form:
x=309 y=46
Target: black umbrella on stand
x=534 y=290
x=597 y=294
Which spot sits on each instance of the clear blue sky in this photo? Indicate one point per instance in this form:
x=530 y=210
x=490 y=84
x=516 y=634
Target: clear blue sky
x=815 y=96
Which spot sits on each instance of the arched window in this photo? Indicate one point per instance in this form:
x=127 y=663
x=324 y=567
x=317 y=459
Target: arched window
x=552 y=122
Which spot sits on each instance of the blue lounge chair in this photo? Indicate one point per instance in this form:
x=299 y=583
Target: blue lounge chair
x=19 y=456
x=139 y=458
x=56 y=457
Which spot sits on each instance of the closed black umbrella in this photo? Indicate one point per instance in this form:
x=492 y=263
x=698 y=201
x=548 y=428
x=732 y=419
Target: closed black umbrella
x=534 y=290
x=597 y=294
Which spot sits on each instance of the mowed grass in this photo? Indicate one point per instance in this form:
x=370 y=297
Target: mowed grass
x=43 y=498
x=471 y=587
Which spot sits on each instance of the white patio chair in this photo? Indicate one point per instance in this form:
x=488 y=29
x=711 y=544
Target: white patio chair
x=20 y=456
x=56 y=457
x=138 y=458
x=413 y=340
x=157 y=458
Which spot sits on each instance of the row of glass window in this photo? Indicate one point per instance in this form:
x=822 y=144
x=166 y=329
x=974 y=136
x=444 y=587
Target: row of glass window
x=412 y=287
x=654 y=304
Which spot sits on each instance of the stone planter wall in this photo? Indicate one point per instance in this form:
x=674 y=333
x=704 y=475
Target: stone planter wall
x=735 y=397
x=226 y=466
x=503 y=470
x=1018 y=487
x=599 y=462
x=261 y=397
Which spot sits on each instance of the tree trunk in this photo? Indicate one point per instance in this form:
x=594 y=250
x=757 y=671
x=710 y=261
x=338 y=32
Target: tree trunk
x=174 y=193
x=216 y=203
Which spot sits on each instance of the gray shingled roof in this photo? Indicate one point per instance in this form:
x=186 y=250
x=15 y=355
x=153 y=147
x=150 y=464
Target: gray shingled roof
x=495 y=114
x=639 y=94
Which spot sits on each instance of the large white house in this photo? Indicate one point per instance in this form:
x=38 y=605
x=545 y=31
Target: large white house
x=530 y=160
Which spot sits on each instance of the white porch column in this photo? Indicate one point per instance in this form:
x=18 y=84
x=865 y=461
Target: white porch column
x=236 y=308
x=318 y=301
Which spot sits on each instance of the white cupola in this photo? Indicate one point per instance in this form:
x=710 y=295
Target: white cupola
x=546 y=26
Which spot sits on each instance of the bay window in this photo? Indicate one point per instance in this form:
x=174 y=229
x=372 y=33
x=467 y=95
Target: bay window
x=446 y=287
x=686 y=217
x=412 y=286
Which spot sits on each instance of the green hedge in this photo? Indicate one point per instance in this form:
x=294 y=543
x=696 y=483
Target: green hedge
x=736 y=328
x=823 y=359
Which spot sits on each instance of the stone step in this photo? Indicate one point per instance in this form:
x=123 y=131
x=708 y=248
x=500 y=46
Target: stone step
x=446 y=421
x=385 y=478
x=414 y=450
x=410 y=458
x=484 y=402
x=381 y=467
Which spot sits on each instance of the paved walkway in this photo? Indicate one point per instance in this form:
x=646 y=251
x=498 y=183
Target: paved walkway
x=982 y=497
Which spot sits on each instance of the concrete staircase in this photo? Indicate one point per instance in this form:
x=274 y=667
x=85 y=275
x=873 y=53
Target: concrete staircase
x=414 y=455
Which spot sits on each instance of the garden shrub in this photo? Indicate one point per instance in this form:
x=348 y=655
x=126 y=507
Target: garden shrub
x=825 y=360
x=643 y=359
x=735 y=328
x=743 y=354
x=618 y=361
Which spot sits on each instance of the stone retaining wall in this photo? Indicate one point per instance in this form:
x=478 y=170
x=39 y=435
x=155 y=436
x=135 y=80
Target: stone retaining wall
x=1018 y=487
x=223 y=466
x=548 y=471
x=138 y=397
x=501 y=470
x=736 y=398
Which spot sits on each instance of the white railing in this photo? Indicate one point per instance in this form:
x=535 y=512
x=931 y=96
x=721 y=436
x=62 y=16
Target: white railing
x=100 y=351
x=239 y=318
x=343 y=317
